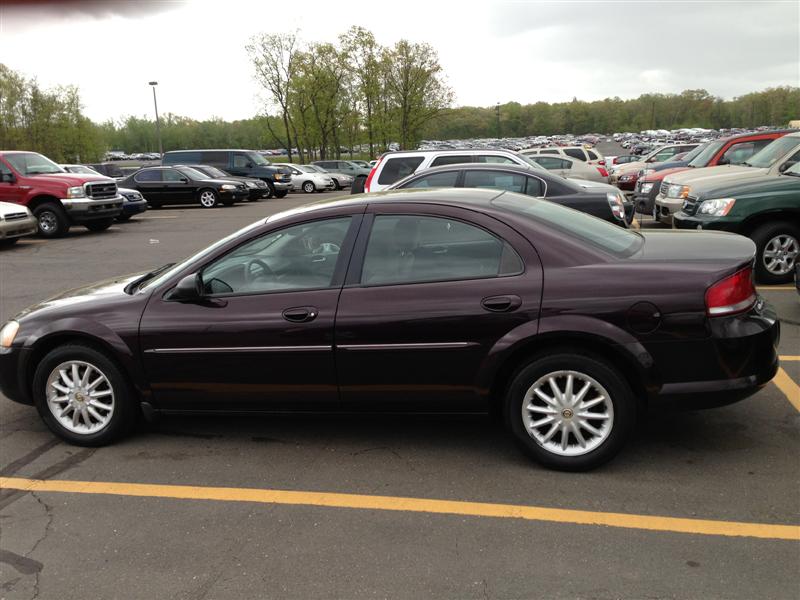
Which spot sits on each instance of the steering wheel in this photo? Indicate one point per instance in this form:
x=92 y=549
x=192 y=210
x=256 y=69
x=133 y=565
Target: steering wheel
x=326 y=248
x=250 y=276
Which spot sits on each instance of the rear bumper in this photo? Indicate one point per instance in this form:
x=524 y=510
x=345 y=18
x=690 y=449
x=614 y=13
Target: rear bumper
x=80 y=211
x=18 y=228
x=734 y=362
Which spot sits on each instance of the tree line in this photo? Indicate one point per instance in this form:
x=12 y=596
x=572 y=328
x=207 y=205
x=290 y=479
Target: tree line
x=320 y=98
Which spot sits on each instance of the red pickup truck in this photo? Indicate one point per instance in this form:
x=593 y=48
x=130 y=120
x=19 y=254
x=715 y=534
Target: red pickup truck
x=56 y=198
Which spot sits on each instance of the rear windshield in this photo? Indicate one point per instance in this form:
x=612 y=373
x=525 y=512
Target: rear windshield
x=398 y=167
x=578 y=225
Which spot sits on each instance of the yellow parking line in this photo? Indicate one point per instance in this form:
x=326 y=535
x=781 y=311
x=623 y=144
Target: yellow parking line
x=418 y=505
x=790 y=358
x=789 y=388
x=784 y=288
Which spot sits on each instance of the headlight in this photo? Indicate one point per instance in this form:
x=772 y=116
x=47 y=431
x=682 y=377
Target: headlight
x=646 y=187
x=250 y=184
x=76 y=192
x=8 y=333
x=617 y=206
x=716 y=208
x=625 y=177
x=227 y=186
x=676 y=190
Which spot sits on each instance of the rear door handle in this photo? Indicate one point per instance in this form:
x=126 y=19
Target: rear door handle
x=501 y=303
x=300 y=314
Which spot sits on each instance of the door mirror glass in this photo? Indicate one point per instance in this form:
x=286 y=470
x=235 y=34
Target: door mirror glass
x=189 y=288
x=787 y=165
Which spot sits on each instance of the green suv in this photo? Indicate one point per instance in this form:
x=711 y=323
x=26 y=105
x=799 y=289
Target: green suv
x=765 y=209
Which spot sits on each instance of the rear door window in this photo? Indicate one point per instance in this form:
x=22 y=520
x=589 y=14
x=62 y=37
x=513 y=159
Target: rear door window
x=512 y=182
x=214 y=158
x=534 y=187
x=494 y=159
x=575 y=153
x=447 y=179
x=395 y=168
x=548 y=152
x=148 y=176
x=592 y=155
x=240 y=161
x=451 y=159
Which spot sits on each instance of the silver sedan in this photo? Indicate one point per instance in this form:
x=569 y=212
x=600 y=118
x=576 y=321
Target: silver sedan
x=571 y=168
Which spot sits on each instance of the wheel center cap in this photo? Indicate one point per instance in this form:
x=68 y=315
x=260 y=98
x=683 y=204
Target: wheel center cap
x=567 y=413
x=79 y=397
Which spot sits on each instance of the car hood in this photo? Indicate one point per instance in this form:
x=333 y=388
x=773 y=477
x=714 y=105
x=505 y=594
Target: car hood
x=81 y=299
x=628 y=168
x=738 y=188
x=713 y=174
x=663 y=174
x=73 y=179
x=9 y=207
x=227 y=181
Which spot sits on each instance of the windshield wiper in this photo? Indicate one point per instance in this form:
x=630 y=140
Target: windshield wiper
x=136 y=283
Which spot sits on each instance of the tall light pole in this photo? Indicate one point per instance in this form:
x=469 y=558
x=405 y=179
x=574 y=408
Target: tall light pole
x=158 y=124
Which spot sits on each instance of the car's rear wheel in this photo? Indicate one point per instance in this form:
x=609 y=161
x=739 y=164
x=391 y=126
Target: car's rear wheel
x=777 y=251
x=208 y=198
x=336 y=185
x=99 y=224
x=281 y=193
x=82 y=396
x=270 y=189
x=309 y=187
x=53 y=221
x=570 y=411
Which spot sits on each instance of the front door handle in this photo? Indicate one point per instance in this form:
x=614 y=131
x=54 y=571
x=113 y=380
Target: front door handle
x=300 y=314
x=501 y=303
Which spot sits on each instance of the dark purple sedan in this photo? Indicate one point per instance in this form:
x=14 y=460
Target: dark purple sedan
x=454 y=300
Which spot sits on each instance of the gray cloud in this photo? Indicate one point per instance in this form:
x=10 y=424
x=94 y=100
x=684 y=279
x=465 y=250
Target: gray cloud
x=28 y=14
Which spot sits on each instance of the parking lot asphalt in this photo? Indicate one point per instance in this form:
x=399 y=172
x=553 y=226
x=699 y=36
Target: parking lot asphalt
x=679 y=514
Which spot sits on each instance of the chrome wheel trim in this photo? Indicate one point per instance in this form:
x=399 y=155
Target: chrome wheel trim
x=568 y=413
x=48 y=222
x=780 y=254
x=80 y=397
x=207 y=199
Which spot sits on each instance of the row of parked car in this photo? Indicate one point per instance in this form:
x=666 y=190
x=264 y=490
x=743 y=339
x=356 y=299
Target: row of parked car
x=746 y=183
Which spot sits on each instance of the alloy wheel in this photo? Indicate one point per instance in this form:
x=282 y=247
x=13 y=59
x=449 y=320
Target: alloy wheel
x=208 y=199
x=80 y=397
x=780 y=254
x=568 y=413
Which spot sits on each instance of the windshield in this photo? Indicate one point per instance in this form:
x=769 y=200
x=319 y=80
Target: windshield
x=215 y=172
x=31 y=163
x=689 y=157
x=706 y=154
x=82 y=169
x=193 y=174
x=532 y=162
x=794 y=170
x=577 y=225
x=313 y=169
x=198 y=256
x=771 y=153
x=257 y=159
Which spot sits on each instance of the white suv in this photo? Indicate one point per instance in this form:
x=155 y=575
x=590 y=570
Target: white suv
x=394 y=166
x=588 y=155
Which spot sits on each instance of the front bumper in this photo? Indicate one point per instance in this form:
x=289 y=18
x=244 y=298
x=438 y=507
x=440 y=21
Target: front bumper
x=234 y=195
x=134 y=207
x=18 y=227
x=81 y=210
x=666 y=208
x=12 y=375
x=282 y=186
x=258 y=193
x=681 y=220
x=735 y=361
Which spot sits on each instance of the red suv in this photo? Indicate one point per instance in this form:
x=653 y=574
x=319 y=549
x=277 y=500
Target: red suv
x=731 y=150
x=56 y=198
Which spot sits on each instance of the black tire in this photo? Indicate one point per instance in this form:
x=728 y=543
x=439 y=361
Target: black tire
x=309 y=187
x=8 y=242
x=358 y=185
x=98 y=225
x=125 y=406
x=123 y=218
x=336 y=185
x=228 y=202
x=618 y=393
x=208 y=198
x=764 y=236
x=53 y=221
x=281 y=193
x=271 y=189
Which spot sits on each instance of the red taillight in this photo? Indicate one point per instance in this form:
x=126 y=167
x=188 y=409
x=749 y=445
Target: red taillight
x=731 y=295
x=371 y=175
x=603 y=172
x=616 y=160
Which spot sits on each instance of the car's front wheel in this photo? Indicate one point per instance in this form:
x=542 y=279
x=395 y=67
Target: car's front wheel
x=82 y=396
x=336 y=185
x=309 y=187
x=570 y=411
x=208 y=198
x=53 y=221
x=99 y=224
x=777 y=251
x=281 y=193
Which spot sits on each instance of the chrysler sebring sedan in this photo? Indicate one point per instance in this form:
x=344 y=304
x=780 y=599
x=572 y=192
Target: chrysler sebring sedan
x=448 y=300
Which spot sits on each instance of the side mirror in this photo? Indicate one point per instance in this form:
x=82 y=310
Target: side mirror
x=8 y=178
x=184 y=180
x=724 y=160
x=189 y=288
x=786 y=166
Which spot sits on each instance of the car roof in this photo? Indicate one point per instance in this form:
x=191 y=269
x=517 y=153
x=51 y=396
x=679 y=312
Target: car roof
x=211 y=150
x=456 y=151
x=749 y=134
x=479 y=167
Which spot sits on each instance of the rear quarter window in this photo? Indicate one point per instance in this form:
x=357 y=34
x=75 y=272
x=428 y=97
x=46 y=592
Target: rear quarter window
x=177 y=158
x=575 y=153
x=395 y=168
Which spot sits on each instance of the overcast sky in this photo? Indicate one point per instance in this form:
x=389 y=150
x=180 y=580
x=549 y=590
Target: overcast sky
x=492 y=51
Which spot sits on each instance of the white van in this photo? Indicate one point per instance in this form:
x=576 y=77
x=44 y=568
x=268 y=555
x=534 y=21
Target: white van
x=588 y=155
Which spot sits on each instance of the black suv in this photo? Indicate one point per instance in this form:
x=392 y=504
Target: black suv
x=182 y=185
x=242 y=163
